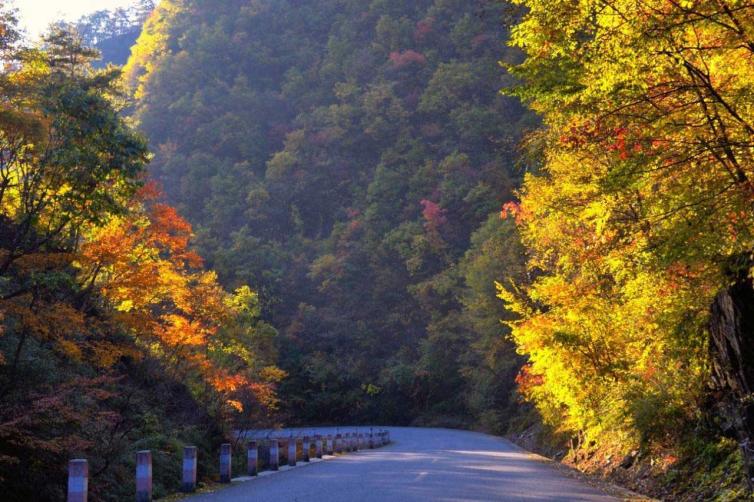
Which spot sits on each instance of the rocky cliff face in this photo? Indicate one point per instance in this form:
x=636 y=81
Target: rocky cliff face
x=732 y=363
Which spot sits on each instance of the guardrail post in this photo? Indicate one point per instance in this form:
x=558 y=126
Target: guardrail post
x=274 y=455
x=188 y=481
x=78 y=480
x=318 y=446
x=329 y=444
x=252 y=455
x=338 y=443
x=307 y=445
x=144 y=476
x=225 y=463
x=292 y=452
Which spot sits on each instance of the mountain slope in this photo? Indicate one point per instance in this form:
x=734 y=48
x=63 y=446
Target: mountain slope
x=339 y=155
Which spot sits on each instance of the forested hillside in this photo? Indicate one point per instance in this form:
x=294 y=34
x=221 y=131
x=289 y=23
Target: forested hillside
x=349 y=159
x=113 y=32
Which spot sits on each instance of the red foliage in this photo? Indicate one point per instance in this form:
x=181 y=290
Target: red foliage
x=433 y=214
x=424 y=28
x=407 y=58
x=511 y=210
x=526 y=380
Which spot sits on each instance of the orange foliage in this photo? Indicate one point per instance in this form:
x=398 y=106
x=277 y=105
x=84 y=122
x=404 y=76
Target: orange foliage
x=142 y=264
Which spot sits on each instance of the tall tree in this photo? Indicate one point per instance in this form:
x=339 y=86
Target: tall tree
x=640 y=204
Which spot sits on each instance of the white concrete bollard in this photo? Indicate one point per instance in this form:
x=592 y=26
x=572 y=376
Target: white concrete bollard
x=252 y=456
x=307 y=444
x=274 y=455
x=188 y=481
x=338 y=443
x=78 y=480
x=144 y=476
x=330 y=447
x=225 y=463
x=292 y=452
x=318 y=446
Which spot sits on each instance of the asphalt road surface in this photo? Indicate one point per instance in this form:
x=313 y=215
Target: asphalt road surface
x=419 y=465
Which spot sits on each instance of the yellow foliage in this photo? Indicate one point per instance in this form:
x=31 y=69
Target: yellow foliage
x=644 y=196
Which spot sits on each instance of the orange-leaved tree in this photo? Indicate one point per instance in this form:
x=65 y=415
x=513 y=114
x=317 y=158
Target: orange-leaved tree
x=141 y=264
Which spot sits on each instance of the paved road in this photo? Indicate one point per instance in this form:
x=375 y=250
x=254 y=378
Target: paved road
x=420 y=465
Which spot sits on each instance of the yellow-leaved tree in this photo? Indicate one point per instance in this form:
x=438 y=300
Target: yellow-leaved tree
x=640 y=202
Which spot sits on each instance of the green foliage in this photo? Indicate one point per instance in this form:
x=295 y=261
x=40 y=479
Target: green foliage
x=341 y=154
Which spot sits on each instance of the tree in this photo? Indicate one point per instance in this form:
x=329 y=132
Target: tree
x=639 y=204
x=104 y=309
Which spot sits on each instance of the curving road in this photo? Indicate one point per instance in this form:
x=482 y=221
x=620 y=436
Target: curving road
x=420 y=465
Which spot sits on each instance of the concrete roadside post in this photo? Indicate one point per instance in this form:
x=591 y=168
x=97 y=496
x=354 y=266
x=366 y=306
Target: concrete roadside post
x=291 y=452
x=318 y=446
x=274 y=454
x=144 y=476
x=299 y=445
x=338 y=444
x=307 y=444
x=252 y=456
x=225 y=463
x=330 y=447
x=78 y=480
x=188 y=481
